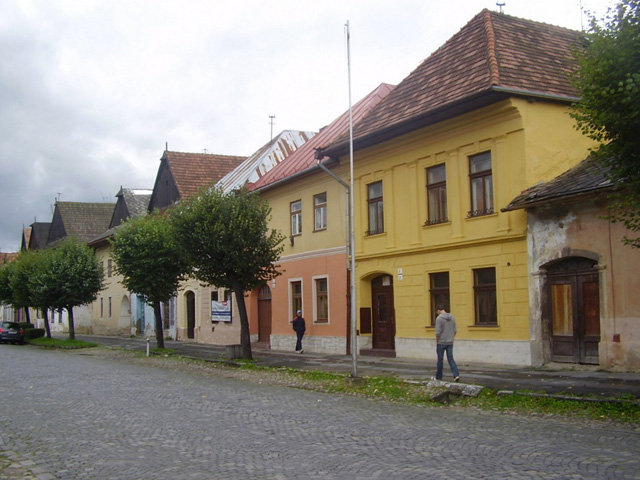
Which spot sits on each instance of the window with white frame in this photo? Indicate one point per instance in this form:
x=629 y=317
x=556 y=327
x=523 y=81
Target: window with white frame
x=320 y=211
x=295 y=294
x=321 y=297
x=296 y=217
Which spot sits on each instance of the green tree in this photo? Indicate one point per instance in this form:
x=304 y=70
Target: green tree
x=73 y=277
x=151 y=262
x=229 y=244
x=6 y=292
x=21 y=270
x=608 y=111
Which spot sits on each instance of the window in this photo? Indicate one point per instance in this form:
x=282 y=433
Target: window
x=376 y=217
x=481 y=180
x=322 y=300
x=296 y=297
x=296 y=217
x=484 y=290
x=101 y=307
x=437 y=195
x=320 y=211
x=439 y=292
x=109 y=307
x=109 y=267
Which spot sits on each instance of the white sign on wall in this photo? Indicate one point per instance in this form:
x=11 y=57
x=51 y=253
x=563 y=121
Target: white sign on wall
x=221 y=311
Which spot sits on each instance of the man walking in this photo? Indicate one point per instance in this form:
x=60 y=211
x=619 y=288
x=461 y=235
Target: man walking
x=299 y=327
x=445 y=333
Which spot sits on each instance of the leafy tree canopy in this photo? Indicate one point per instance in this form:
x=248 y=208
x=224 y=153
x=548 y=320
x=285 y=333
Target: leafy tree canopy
x=229 y=244
x=608 y=111
x=148 y=256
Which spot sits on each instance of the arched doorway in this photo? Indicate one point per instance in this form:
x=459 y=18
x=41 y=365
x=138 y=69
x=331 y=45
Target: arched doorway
x=383 y=313
x=264 y=314
x=124 y=321
x=573 y=310
x=191 y=314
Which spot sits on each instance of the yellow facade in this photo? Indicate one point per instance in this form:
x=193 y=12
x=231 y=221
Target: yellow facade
x=528 y=142
x=111 y=311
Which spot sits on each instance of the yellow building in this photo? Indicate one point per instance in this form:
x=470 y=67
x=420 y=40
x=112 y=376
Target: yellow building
x=480 y=120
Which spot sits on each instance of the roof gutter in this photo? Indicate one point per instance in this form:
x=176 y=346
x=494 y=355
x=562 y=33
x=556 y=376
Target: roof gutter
x=534 y=94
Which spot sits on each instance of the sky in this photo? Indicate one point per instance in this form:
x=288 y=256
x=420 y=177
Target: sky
x=92 y=91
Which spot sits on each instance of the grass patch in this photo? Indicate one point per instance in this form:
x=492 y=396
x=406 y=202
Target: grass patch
x=624 y=411
x=61 y=343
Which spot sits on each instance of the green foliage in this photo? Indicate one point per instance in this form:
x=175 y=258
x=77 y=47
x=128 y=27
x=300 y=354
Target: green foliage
x=229 y=244
x=149 y=258
x=71 y=275
x=227 y=238
x=608 y=111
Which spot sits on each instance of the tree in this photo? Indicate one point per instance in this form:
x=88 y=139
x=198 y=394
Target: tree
x=608 y=79
x=14 y=288
x=229 y=244
x=151 y=262
x=73 y=277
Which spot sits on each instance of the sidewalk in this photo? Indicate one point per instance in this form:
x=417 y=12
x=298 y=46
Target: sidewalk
x=551 y=379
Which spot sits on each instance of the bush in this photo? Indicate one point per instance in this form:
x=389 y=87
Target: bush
x=30 y=333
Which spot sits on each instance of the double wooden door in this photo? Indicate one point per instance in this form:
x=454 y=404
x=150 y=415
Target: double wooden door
x=574 y=295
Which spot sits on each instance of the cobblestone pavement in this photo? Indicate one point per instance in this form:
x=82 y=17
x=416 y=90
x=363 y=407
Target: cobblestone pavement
x=78 y=416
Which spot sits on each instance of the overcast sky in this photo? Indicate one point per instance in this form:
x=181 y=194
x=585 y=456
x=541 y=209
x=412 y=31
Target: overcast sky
x=91 y=90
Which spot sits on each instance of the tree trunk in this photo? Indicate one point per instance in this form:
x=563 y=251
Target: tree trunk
x=245 y=337
x=47 y=328
x=72 y=327
x=27 y=315
x=157 y=311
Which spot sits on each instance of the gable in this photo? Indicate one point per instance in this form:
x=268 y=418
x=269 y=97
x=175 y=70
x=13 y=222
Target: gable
x=83 y=221
x=181 y=175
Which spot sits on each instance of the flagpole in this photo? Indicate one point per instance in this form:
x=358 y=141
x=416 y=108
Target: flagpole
x=354 y=338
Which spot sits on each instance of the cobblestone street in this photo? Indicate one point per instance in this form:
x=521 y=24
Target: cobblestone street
x=75 y=416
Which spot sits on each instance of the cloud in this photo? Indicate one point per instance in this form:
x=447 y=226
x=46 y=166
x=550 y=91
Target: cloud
x=90 y=92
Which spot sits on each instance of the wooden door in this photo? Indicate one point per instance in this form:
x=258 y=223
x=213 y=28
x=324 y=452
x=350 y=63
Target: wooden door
x=264 y=314
x=383 y=318
x=574 y=295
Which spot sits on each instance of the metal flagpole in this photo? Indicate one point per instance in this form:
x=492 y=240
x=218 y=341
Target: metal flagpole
x=354 y=338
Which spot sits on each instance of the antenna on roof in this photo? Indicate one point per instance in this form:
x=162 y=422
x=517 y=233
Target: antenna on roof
x=501 y=5
x=271 y=118
x=166 y=146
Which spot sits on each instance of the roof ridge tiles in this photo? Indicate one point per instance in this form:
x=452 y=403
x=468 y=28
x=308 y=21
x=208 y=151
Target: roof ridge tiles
x=494 y=69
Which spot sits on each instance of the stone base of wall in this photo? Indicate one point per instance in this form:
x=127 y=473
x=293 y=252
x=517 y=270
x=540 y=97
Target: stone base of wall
x=498 y=352
x=328 y=345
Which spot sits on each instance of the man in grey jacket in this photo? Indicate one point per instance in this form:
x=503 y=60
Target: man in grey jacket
x=445 y=333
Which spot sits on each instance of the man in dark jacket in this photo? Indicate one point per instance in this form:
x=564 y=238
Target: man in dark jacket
x=445 y=333
x=299 y=327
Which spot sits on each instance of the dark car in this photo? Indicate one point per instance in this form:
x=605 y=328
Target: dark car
x=11 y=332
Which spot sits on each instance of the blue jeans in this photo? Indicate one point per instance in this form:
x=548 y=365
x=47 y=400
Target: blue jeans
x=440 y=349
x=299 y=336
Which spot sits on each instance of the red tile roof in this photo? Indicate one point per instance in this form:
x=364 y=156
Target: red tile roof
x=305 y=156
x=191 y=171
x=494 y=55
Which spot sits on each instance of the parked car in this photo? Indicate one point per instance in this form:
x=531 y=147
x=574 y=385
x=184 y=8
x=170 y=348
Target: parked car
x=11 y=332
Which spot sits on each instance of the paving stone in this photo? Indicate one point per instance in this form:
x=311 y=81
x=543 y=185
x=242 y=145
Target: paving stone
x=84 y=417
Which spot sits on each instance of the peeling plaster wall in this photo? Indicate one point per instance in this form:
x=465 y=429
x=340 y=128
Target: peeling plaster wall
x=563 y=231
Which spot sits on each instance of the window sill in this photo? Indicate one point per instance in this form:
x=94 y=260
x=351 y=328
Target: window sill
x=483 y=215
x=490 y=327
